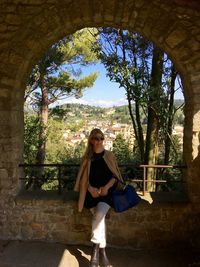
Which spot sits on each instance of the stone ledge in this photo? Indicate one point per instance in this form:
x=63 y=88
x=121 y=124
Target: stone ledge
x=46 y=195
x=149 y=198
x=165 y=197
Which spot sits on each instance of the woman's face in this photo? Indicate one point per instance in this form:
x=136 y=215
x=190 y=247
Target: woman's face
x=97 y=140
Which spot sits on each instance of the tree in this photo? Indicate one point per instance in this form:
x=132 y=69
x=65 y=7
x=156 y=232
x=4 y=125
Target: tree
x=31 y=131
x=153 y=123
x=121 y=149
x=170 y=115
x=126 y=58
x=57 y=75
x=141 y=68
x=55 y=145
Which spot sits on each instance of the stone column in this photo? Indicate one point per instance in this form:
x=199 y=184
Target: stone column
x=11 y=148
x=192 y=140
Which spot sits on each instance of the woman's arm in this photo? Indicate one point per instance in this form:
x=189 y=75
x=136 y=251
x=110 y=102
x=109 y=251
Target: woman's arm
x=104 y=189
x=82 y=168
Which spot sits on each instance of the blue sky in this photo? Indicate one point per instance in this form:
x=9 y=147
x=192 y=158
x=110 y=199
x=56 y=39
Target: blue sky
x=104 y=93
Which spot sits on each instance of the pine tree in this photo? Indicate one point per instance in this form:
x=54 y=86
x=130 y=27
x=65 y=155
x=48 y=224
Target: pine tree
x=57 y=76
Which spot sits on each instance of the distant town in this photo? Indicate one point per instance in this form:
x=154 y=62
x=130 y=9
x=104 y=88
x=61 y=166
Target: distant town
x=109 y=120
x=110 y=132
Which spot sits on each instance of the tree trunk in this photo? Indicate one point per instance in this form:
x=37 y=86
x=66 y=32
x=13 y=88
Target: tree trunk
x=170 y=116
x=137 y=114
x=140 y=131
x=131 y=114
x=43 y=118
x=153 y=115
x=136 y=121
x=43 y=124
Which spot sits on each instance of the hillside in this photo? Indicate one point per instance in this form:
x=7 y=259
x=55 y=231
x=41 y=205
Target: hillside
x=72 y=112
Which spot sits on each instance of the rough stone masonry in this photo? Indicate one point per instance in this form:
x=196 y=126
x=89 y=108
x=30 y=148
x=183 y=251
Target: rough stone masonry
x=27 y=29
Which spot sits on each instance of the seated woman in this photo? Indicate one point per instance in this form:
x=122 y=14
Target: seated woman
x=95 y=182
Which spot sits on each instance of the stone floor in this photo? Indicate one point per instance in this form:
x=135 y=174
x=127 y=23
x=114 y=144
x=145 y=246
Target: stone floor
x=40 y=254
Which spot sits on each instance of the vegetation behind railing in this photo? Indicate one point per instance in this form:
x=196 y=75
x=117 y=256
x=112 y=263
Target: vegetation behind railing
x=61 y=177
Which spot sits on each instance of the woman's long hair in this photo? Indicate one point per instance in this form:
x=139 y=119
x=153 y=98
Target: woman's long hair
x=89 y=149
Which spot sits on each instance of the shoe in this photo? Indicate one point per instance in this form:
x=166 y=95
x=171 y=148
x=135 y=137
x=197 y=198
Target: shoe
x=104 y=262
x=94 y=262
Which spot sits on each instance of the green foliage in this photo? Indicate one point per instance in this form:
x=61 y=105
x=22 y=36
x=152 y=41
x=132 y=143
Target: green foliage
x=179 y=116
x=58 y=113
x=121 y=115
x=55 y=146
x=126 y=57
x=59 y=70
x=74 y=127
x=121 y=149
x=175 y=153
x=59 y=152
x=58 y=75
x=31 y=131
x=135 y=64
x=78 y=47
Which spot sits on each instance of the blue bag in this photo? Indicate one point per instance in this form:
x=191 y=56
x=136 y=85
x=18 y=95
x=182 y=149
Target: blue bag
x=125 y=199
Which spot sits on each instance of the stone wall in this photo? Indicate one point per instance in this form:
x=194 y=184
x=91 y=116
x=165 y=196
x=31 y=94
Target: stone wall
x=145 y=226
x=27 y=29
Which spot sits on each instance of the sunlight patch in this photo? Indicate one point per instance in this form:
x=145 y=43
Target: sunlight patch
x=68 y=260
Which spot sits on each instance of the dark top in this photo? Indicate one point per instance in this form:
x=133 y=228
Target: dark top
x=100 y=175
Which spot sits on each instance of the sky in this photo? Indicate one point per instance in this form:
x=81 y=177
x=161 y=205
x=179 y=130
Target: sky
x=104 y=93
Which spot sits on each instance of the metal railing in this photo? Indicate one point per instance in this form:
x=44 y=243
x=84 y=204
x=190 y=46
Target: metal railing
x=146 y=180
x=142 y=169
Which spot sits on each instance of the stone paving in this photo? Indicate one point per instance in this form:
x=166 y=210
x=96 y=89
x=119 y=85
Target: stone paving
x=40 y=254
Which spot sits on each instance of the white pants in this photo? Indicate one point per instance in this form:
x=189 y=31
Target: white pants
x=98 y=224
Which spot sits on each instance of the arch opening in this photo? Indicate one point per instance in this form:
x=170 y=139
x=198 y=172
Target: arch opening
x=177 y=34
x=134 y=58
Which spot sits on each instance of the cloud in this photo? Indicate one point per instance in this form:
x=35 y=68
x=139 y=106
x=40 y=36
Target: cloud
x=109 y=103
x=94 y=102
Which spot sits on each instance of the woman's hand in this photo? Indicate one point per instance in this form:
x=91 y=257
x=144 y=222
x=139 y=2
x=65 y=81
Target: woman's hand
x=95 y=192
x=104 y=191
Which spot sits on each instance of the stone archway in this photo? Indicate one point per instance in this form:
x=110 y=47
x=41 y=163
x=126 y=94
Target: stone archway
x=29 y=28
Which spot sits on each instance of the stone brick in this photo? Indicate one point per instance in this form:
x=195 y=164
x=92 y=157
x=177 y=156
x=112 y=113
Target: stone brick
x=127 y=9
x=13 y=18
x=98 y=12
x=176 y=37
x=26 y=232
x=3 y=174
x=27 y=217
x=194 y=45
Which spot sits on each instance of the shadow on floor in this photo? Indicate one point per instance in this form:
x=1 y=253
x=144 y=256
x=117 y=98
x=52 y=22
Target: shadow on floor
x=41 y=254
x=81 y=253
x=141 y=258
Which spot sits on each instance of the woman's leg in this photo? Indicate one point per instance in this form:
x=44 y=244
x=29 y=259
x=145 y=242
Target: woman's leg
x=99 y=235
x=98 y=224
